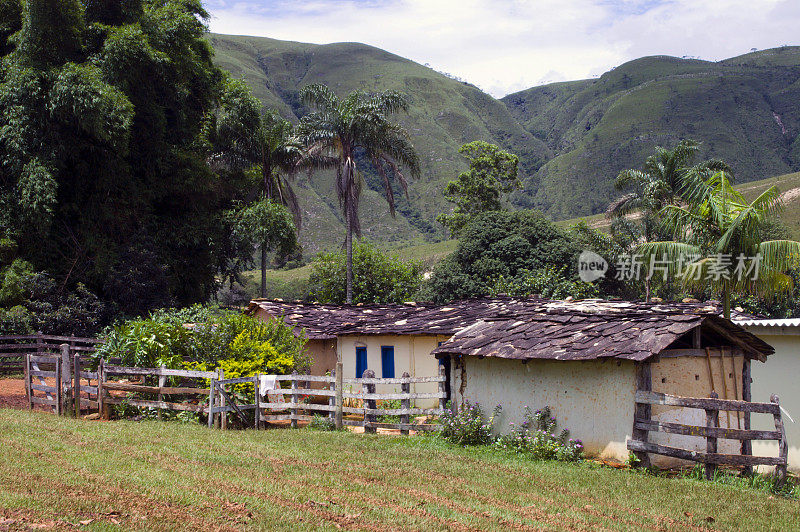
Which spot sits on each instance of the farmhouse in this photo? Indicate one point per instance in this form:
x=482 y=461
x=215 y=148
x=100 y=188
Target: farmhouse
x=584 y=359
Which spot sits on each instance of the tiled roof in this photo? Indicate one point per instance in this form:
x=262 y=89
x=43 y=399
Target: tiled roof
x=522 y=327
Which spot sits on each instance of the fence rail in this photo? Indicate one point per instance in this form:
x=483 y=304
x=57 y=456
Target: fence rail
x=14 y=348
x=711 y=431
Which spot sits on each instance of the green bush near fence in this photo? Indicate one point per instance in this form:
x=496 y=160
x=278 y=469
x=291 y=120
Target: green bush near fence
x=206 y=338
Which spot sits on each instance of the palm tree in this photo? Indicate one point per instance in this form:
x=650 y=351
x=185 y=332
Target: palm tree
x=717 y=233
x=244 y=138
x=660 y=183
x=339 y=132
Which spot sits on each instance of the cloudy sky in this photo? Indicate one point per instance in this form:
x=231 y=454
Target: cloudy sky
x=508 y=45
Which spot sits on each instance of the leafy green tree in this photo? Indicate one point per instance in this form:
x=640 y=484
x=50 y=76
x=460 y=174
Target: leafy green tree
x=715 y=229
x=245 y=137
x=379 y=277
x=103 y=172
x=501 y=244
x=338 y=132
x=269 y=226
x=660 y=183
x=492 y=173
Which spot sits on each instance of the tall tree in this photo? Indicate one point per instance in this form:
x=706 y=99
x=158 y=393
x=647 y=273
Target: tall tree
x=268 y=225
x=245 y=137
x=492 y=173
x=660 y=183
x=103 y=175
x=338 y=132
x=719 y=241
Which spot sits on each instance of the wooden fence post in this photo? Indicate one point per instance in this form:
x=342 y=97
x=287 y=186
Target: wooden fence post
x=101 y=392
x=162 y=381
x=783 y=448
x=223 y=416
x=642 y=412
x=66 y=379
x=747 y=445
x=257 y=388
x=295 y=400
x=76 y=386
x=442 y=391
x=211 y=405
x=405 y=403
x=369 y=403
x=332 y=398
x=339 y=397
x=712 y=420
x=28 y=388
x=59 y=388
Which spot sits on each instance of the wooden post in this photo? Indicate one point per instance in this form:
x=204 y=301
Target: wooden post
x=339 y=398
x=76 y=386
x=332 y=398
x=442 y=391
x=162 y=381
x=642 y=412
x=405 y=403
x=211 y=404
x=223 y=416
x=59 y=388
x=101 y=378
x=783 y=448
x=747 y=445
x=28 y=388
x=712 y=420
x=295 y=400
x=369 y=403
x=257 y=388
x=66 y=379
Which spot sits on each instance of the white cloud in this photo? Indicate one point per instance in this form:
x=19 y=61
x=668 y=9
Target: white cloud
x=508 y=45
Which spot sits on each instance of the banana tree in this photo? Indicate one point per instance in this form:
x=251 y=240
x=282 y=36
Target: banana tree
x=718 y=241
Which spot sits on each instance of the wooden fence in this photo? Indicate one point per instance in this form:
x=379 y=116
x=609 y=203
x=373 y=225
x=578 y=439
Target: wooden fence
x=13 y=349
x=297 y=409
x=72 y=389
x=643 y=424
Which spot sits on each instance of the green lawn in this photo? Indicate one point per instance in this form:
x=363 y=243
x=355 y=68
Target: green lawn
x=165 y=476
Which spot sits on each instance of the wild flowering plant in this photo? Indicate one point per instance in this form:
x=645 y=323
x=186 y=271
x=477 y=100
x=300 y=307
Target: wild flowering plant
x=466 y=425
x=537 y=437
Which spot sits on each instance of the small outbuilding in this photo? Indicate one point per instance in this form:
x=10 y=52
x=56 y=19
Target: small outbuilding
x=587 y=359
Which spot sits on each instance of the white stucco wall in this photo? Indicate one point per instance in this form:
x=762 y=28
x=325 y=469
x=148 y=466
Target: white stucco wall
x=412 y=353
x=594 y=400
x=780 y=375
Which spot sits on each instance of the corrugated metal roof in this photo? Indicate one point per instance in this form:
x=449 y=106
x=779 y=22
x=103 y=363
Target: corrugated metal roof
x=791 y=322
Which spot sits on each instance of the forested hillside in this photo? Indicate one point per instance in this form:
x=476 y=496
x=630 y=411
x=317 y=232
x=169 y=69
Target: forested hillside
x=572 y=138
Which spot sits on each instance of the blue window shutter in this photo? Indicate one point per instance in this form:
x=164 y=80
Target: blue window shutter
x=361 y=361
x=387 y=361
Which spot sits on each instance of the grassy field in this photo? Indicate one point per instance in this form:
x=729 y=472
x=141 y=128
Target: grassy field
x=61 y=472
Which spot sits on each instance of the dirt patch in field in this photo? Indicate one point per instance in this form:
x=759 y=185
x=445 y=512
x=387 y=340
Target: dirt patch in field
x=12 y=394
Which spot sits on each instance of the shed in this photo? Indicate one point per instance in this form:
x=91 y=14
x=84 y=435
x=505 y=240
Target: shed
x=586 y=359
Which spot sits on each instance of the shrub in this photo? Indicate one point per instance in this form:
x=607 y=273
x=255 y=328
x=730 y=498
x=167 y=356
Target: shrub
x=536 y=437
x=319 y=422
x=466 y=426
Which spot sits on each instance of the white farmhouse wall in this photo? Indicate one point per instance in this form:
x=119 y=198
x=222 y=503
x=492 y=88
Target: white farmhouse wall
x=780 y=375
x=594 y=399
x=412 y=353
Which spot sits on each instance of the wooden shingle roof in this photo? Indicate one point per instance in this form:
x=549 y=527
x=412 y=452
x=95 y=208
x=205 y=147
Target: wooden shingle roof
x=521 y=328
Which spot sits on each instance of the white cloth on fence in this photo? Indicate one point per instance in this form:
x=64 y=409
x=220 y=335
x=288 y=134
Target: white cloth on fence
x=269 y=387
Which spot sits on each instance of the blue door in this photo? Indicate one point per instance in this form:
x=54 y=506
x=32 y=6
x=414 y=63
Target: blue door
x=361 y=361
x=387 y=361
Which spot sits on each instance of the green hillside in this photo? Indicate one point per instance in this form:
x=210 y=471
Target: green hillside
x=445 y=113
x=573 y=137
x=744 y=110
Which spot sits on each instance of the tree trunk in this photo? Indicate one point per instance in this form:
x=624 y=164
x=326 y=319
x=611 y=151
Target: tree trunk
x=726 y=303
x=263 y=271
x=349 y=246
